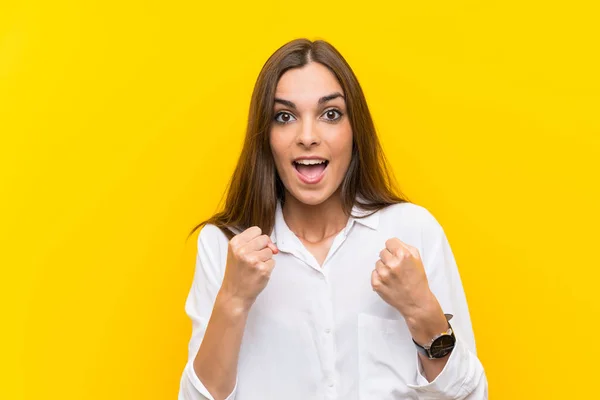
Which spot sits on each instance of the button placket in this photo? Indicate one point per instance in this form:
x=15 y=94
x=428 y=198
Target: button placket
x=328 y=339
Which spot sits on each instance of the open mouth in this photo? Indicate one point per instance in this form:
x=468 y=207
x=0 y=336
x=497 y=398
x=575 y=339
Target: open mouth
x=311 y=171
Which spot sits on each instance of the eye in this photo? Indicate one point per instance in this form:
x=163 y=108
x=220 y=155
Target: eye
x=284 y=117
x=332 y=115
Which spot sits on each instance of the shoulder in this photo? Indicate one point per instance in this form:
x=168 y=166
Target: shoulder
x=211 y=233
x=212 y=240
x=412 y=223
x=410 y=216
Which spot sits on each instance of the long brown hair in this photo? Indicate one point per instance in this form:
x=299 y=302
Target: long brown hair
x=255 y=186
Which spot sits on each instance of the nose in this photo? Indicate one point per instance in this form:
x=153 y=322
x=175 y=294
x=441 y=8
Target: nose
x=308 y=135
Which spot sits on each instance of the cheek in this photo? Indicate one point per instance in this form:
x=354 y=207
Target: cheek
x=343 y=144
x=275 y=146
x=277 y=149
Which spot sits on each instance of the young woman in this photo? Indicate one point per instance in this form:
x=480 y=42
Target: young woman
x=318 y=280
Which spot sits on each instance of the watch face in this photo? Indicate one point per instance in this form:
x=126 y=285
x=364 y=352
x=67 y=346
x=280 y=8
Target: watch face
x=442 y=346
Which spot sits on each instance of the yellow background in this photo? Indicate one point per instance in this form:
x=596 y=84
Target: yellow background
x=121 y=123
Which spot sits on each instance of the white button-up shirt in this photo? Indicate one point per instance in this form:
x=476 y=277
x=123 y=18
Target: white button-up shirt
x=321 y=332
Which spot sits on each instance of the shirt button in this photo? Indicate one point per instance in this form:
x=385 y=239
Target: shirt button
x=330 y=383
x=327 y=330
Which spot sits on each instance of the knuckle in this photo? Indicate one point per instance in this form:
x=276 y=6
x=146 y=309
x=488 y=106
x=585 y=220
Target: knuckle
x=263 y=269
x=383 y=274
x=259 y=266
x=376 y=283
x=265 y=239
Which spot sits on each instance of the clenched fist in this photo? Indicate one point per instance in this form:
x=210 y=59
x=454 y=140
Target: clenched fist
x=399 y=278
x=249 y=265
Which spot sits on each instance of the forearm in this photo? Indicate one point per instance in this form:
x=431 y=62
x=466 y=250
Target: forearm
x=216 y=361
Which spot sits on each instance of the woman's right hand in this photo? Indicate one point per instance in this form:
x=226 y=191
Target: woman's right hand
x=249 y=265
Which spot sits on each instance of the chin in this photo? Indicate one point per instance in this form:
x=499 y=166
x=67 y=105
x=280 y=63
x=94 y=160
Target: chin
x=311 y=197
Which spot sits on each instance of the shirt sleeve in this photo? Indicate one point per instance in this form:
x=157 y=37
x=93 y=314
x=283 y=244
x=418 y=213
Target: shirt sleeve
x=208 y=276
x=463 y=376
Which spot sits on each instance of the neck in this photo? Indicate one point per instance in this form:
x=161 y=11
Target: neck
x=314 y=223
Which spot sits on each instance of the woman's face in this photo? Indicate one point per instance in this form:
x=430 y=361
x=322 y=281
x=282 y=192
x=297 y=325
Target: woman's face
x=310 y=136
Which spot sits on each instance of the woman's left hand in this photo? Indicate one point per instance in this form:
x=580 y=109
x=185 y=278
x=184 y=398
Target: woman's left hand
x=399 y=278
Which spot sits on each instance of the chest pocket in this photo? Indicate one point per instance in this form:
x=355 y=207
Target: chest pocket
x=387 y=359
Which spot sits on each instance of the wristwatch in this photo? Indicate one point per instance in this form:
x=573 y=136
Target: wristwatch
x=440 y=345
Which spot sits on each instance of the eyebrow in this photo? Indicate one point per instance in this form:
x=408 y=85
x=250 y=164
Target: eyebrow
x=322 y=100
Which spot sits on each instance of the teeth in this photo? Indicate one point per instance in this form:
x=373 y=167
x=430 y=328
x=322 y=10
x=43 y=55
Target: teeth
x=310 y=162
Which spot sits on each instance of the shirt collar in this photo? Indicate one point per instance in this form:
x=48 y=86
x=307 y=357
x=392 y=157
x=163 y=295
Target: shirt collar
x=283 y=233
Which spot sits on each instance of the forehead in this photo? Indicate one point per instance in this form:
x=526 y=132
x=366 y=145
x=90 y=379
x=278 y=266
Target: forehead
x=307 y=84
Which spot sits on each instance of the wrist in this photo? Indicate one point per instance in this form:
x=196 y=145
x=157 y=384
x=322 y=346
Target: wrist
x=426 y=321
x=232 y=305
